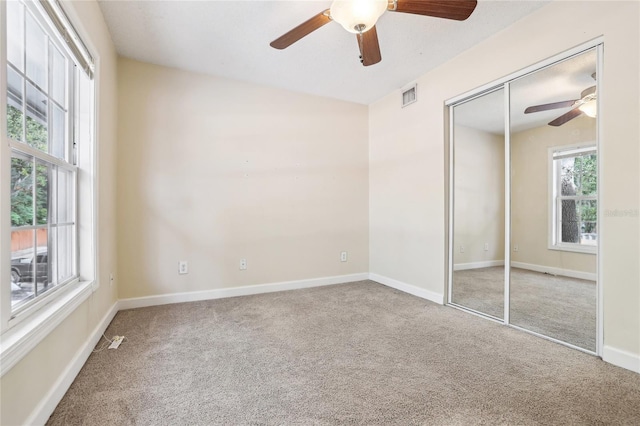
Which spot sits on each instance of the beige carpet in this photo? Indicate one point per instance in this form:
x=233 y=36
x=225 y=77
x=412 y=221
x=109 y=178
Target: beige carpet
x=358 y=353
x=560 y=307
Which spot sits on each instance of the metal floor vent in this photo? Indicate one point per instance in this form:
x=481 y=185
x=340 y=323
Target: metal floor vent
x=409 y=95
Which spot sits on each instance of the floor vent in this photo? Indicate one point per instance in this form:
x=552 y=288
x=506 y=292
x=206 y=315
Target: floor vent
x=409 y=95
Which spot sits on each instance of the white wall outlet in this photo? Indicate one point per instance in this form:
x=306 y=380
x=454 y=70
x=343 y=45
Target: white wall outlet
x=461 y=249
x=243 y=264
x=183 y=267
x=516 y=248
x=486 y=246
x=343 y=256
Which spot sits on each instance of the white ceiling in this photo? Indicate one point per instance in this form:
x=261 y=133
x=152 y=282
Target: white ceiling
x=231 y=39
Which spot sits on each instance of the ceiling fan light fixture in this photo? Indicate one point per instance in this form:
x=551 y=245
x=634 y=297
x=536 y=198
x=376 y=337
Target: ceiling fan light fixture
x=357 y=16
x=589 y=108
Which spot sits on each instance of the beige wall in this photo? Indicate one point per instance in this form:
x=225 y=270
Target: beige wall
x=407 y=169
x=213 y=171
x=29 y=381
x=530 y=194
x=479 y=196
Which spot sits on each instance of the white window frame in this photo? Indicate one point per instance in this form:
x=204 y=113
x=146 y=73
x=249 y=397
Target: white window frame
x=24 y=329
x=554 y=239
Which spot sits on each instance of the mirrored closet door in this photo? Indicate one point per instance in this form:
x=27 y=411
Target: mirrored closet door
x=554 y=188
x=478 y=205
x=523 y=243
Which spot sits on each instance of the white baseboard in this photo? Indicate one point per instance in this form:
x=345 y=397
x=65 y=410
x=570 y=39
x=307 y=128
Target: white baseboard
x=621 y=358
x=193 y=296
x=555 y=271
x=408 y=288
x=47 y=405
x=477 y=265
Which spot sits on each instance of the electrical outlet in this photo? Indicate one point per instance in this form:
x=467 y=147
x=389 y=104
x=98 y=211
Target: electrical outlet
x=343 y=256
x=183 y=267
x=243 y=264
x=461 y=249
x=486 y=246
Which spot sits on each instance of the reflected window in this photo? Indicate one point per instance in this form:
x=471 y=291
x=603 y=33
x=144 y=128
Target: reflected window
x=574 y=198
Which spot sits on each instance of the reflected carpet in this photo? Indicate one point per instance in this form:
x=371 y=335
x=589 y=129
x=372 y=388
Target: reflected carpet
x=555 y=306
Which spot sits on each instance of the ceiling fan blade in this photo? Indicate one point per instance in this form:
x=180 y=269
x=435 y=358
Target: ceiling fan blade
x=448 y=9
x=566 y=117
x=546 y=107
x=369 y=47
x=301 y=30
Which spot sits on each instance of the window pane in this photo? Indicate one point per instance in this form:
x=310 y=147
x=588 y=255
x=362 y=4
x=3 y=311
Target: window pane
x=22 y=288
x=64 y=253
x=587 y=171
x=588 y=224
x=59 y=77
x=15 y=118
x=567 y=174
x=43 y=198
x=58 y=127
x=64 y=196
x=36 y=53
x=37 y=135
x=42 y=263
x=15 y=34
x=21 y=191
x=569 y=222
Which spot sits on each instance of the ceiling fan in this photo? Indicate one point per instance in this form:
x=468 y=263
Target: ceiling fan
x=585 y=105
x=360 y=17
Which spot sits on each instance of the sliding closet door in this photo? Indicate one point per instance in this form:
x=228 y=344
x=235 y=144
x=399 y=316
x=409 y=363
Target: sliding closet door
x=478 y=204
x=554 y=229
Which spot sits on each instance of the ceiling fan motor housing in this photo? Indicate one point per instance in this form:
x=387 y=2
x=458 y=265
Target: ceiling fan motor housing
x=591 y=92
x=358 y=16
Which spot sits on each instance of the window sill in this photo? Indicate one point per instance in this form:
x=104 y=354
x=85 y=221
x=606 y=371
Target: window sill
x=578 y=249
x=19 y=340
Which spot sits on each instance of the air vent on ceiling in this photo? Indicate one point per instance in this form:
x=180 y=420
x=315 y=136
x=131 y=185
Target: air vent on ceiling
x=409 y=95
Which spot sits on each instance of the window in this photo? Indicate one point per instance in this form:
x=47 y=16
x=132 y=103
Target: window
x=49 y=119
x=574 y=205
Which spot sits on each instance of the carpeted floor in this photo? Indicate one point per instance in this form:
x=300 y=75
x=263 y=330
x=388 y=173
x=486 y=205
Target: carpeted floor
x=358 y=353
x=559 y=307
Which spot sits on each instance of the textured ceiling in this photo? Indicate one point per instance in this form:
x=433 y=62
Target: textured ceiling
x=231 y=39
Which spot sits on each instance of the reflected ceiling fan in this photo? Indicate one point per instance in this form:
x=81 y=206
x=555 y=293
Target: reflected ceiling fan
x=587 y=104
x=360 y=17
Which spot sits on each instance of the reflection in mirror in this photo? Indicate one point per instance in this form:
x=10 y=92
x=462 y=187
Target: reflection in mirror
x=554 y=230
x=478 y=200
